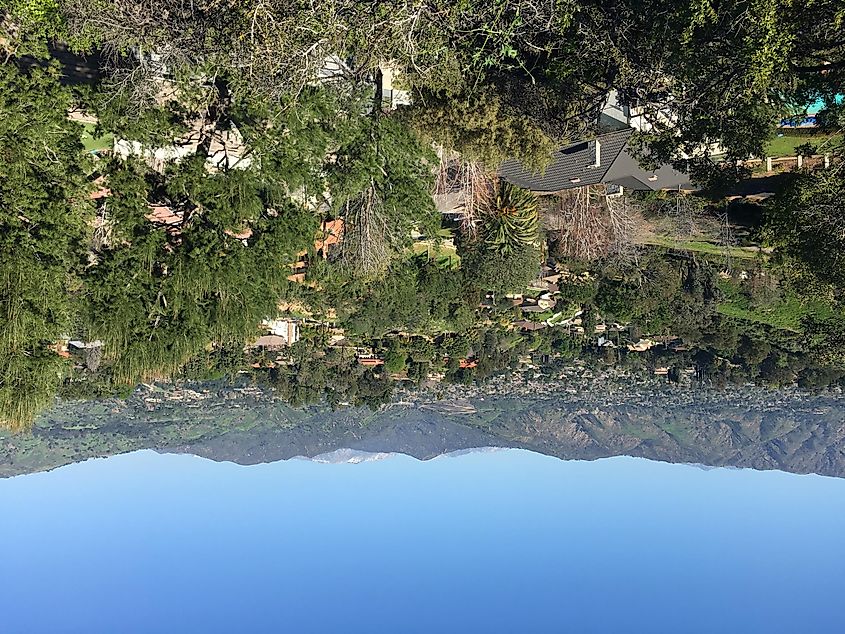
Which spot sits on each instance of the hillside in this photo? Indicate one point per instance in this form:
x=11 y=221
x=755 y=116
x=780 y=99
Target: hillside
x=744 y=428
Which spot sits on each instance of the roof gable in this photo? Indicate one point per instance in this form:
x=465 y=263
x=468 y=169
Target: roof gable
x=626 y=171
x=571 y=166
x=575 y=166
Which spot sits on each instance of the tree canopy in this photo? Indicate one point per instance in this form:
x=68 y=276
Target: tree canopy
x=43 y=235
x=807 y=221
x=166 y=290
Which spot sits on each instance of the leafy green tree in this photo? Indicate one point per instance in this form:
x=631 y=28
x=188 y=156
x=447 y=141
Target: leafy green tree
x=711 y=85
x=805 y=222
x=488 y=270
x=825 y=340
x=26 y=25
x=500 y=78
x=163 y=293
x=753 y=351
x=44 y=214
x=333 y=377
x=480 y=127
x=152 y=124
x=295 y=139
x=775 y=370
x=277 y=48
x=617 y=300
x=415 y=295
x=380 y=184
x=395 y=358
x=579 y=290
x=820 y=378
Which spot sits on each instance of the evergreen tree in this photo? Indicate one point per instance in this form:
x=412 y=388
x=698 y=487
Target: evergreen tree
x=166 y=292
x=44 y=213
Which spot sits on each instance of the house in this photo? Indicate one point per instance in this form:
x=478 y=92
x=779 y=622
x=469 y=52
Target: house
x=84 y=345
x=641 y=346
x=286 y=329
x=604 y=160
x=392 y=94
x=61 y=348
x=243 y=235
x=281 y=333
x=334 y=69
x=542 y=285
x=339 y=341
x=532 y=308
x=329 y=235
x=158 y=157
x=102 y=191
x=161 y=215
x=331 y=232
x=270 y=342
x=226 y=148
x=619 y=113
x=164 y=215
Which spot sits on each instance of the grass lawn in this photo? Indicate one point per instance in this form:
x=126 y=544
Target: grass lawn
x=702 y=247
x=445 y=256
x=786 y=313
x=785 y=145
x=93 y=143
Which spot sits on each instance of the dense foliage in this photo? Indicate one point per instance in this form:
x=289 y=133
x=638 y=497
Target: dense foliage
x=43 y=214
x=807 y=220
x=480 y=127
x=510 y=222
x=159 y=296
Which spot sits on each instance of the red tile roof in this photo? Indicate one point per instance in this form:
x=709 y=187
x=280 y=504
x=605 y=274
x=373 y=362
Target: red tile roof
x=164 y=215
x=330 y=233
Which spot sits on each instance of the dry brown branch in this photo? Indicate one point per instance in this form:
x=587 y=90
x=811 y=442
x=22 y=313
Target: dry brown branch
x=586 y=224
x=469 y=182
x=103 y=229
x=368 y=241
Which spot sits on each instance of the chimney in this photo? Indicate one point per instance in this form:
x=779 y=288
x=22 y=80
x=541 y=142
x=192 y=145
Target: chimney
x=598 y=154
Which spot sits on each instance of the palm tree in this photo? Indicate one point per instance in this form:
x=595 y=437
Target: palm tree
x=511 y=222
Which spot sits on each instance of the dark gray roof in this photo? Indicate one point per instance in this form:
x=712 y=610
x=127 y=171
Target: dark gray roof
x=626 y=171
x=574 y=166
x=576 y=161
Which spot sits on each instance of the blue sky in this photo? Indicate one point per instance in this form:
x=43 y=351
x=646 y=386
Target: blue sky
x=507 y=541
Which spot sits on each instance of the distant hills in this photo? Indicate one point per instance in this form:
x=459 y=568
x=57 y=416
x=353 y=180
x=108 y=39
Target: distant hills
x=785 y=431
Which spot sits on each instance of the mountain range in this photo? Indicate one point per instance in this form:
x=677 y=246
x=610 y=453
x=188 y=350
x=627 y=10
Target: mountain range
x=788 y=431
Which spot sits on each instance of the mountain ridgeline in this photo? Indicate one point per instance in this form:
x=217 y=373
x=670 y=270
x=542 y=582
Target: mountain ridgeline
x=745 y=428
